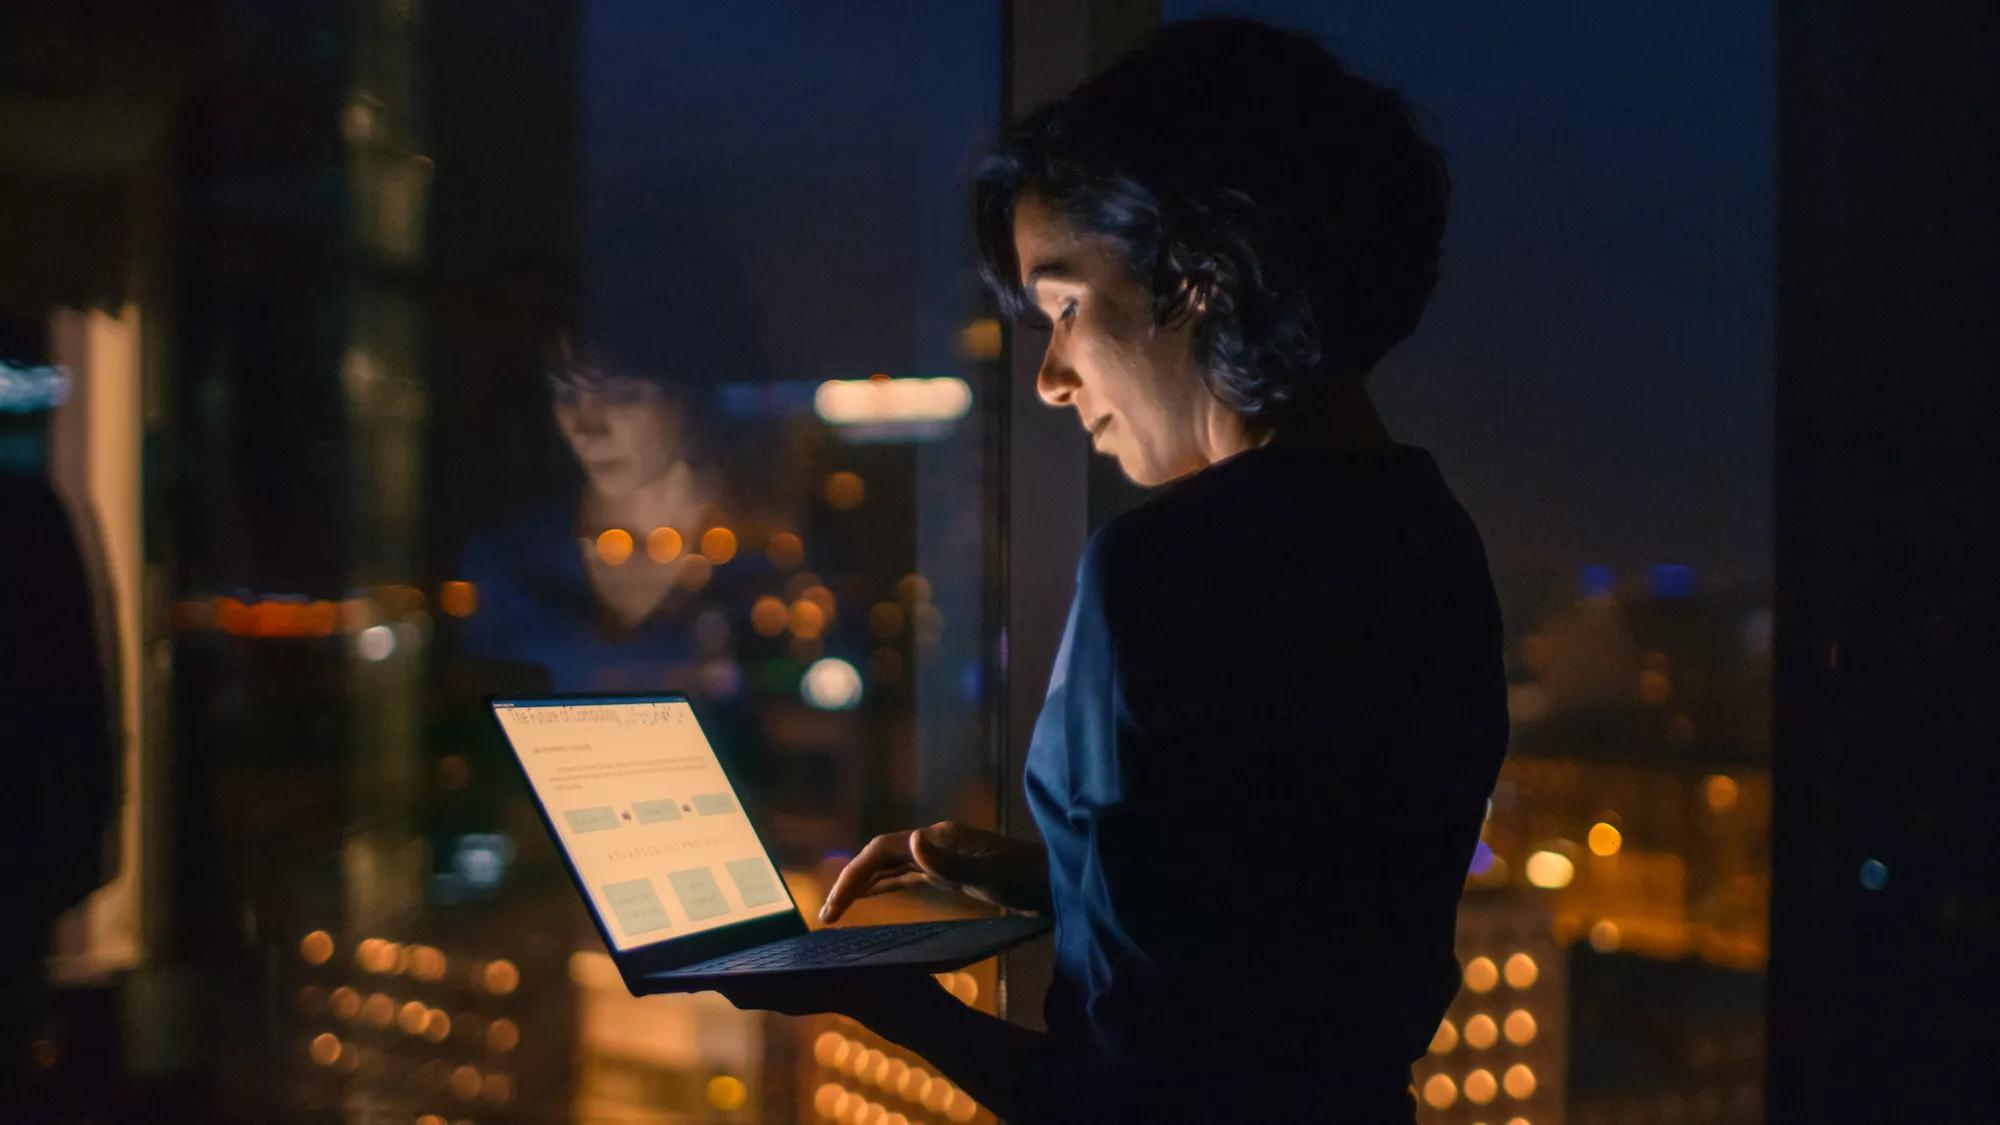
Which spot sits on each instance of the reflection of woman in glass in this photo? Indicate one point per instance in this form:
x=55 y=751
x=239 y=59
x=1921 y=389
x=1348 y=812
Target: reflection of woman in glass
x=1279 y=706
x=624 y=586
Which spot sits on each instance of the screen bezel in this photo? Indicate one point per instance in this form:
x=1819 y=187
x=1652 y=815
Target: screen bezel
x=669 y=952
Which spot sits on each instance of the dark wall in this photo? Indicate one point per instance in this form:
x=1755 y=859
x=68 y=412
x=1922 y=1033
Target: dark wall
x=1888 y=302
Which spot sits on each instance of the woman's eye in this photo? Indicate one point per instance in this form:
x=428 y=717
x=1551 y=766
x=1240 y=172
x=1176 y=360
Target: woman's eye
x=1069 y=310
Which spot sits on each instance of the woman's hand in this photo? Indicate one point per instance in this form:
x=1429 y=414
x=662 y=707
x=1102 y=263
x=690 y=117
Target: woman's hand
x=971 y=861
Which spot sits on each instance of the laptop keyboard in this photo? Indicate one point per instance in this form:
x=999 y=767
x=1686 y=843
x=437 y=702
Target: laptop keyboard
x=822 y=948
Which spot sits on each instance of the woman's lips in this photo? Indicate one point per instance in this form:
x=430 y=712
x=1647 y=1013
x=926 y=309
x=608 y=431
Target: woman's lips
x=1097 y=430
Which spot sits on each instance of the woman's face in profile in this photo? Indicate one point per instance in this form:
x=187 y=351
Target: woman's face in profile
x=624 y=432
x=1135 y=385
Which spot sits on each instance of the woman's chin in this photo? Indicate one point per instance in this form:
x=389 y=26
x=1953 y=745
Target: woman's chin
x=1141 y=475
x=611 y=486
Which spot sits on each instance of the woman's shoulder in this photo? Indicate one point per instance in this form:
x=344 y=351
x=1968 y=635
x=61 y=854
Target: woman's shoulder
x=1268 y=485
x=1274 y=523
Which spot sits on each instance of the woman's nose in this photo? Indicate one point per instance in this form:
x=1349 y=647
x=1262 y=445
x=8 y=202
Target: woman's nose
x=1056 y=382
x=590 y=413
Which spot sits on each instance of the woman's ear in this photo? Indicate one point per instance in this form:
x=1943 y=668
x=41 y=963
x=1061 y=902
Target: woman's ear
x=1192 y=300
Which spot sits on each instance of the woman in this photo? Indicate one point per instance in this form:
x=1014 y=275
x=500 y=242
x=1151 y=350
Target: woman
x=1279 y=705
x=604 y=585
x=612 y=583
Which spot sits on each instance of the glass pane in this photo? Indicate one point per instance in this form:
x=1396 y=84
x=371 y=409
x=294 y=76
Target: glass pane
x=456 y=350
x=1594 y=377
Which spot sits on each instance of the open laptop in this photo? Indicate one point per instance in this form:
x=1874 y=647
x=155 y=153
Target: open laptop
x=678 y=881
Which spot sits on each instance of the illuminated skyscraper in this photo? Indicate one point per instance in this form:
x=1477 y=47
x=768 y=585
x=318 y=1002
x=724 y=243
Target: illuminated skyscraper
x=1500 y=1056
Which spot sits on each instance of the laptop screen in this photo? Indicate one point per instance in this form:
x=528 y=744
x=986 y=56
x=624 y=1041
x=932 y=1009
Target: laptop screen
x=638 y=800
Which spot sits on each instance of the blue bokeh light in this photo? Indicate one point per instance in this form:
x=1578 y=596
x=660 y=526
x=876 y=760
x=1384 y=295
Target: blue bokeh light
x=1874 y=874
x=1596 y=581
x=1672 y=580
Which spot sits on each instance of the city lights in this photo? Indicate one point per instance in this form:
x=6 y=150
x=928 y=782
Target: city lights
x=1720 y=792
x=614 y=546
x=375 y=643
x=785 y=550
x=1596 y=583
x=1519 y=1027
x=845 y=491
x=1604 y=839
x=1550 y=870
x=27 y=390
x=820 y=596
x=718 y=545
x=1521 y=972
x=881 y=399
x=696 y=570
x=1481 y=1032
x=1874 y=874
x=465 y=1081
x=427 y=963
x=458 y=599
x=831 y=684
x=1481 y=974
x=1440 y=1091
x=1519 y=1082
x=768 y=616
x=500 y=977
x=808 y=620
x=980 y=339
x=316 y=948
x=663 y=545
x=727 y=1092
x=345 y=1003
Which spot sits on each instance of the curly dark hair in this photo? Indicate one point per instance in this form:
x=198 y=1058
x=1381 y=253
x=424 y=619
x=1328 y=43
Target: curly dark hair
x=1242 y=170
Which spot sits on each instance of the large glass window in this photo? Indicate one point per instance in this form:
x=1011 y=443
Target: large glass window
x=389 y=354
x=590 y=347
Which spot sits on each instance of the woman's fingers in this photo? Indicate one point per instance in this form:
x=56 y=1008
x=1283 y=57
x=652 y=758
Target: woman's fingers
x=910 y=879
x=936 y=857
x=886 y=852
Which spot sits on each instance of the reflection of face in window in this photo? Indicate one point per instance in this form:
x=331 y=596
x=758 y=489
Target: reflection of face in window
x=624 y=432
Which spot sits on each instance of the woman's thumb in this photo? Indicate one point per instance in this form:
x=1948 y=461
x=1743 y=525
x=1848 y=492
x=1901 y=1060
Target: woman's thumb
x=937 y=860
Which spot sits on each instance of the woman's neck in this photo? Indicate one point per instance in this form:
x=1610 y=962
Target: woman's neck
x=1345 y=419
x=671 y=499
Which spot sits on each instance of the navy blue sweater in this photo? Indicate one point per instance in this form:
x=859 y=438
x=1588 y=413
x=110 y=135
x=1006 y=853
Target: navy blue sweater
x=1260 y=771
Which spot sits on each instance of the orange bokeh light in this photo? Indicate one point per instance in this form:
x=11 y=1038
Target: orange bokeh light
x=785 y=550
x=808 y=620
x=769 y=616
x=845 y=491
x=719 y=544
x=663 y=545
x=316 y=947
x=501 y=977
x=614 y=546
x=458 y=599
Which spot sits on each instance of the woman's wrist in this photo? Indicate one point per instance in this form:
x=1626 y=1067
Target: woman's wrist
x=984 y=1055
x=909 y=1015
